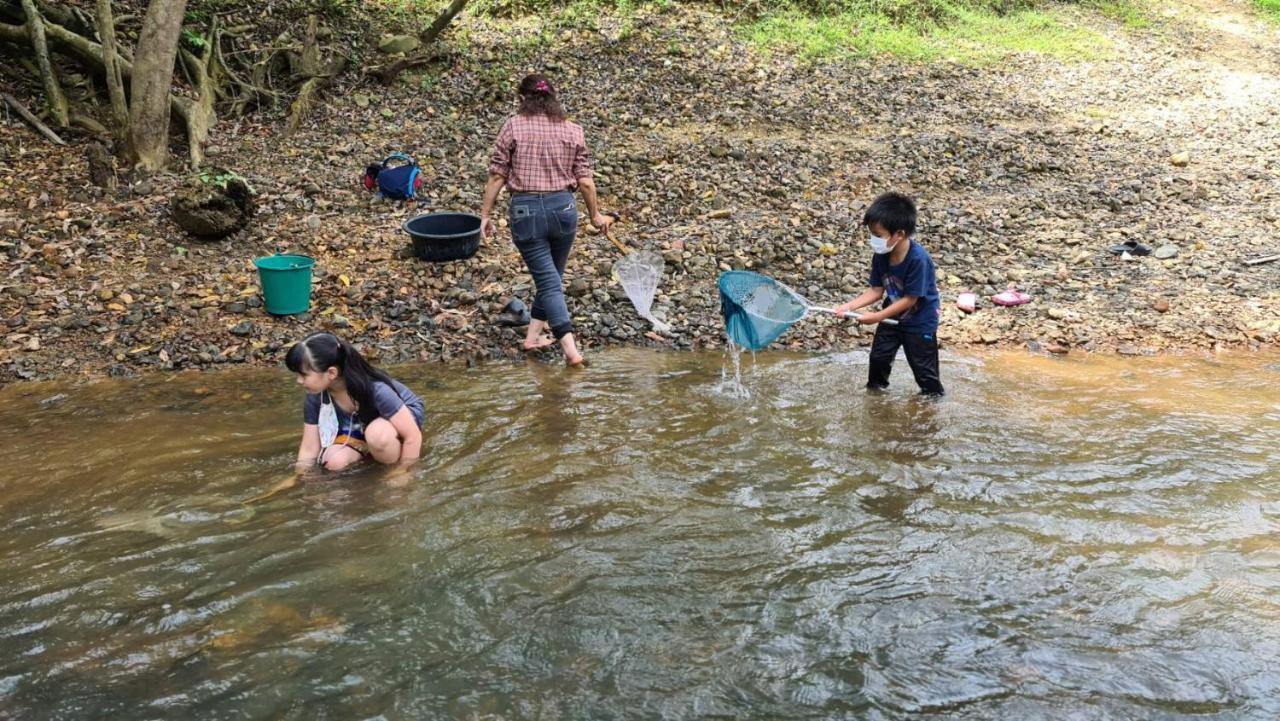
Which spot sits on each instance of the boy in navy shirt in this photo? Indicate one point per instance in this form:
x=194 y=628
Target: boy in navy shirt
x=902 y=273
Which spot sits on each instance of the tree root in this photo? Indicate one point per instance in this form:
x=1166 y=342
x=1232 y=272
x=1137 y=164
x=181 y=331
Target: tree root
x=303 y=104
x=20 y=109
x=386 y=74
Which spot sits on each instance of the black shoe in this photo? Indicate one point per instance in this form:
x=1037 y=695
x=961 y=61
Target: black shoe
x=515 y=314
x=1132 y=247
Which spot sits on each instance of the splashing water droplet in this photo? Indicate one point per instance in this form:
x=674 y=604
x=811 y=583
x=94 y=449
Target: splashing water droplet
x=733 y=387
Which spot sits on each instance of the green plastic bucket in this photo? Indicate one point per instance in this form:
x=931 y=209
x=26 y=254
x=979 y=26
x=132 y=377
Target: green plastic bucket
x=286 y=283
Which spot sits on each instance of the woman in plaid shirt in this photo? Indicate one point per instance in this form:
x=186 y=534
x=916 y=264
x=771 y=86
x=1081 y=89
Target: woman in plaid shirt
x=542 y=158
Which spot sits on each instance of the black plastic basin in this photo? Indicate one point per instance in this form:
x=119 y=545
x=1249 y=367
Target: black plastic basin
x=439 y=237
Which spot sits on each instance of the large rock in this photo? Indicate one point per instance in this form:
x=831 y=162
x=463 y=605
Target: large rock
x=394 y=44
x=102 y=166
x=212 y=208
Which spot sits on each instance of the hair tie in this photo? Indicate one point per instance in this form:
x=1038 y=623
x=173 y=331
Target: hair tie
x=542 y=86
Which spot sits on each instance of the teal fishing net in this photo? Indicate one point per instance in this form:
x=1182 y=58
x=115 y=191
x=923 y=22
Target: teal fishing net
x=756 y=308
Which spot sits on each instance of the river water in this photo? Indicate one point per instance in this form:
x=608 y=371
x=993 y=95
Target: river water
x=1057 y=539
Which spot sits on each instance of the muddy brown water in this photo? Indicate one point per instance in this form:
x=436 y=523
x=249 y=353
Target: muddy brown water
x=1058 y=539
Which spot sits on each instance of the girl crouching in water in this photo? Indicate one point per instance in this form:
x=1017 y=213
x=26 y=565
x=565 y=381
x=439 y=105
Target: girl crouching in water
x=352 y=409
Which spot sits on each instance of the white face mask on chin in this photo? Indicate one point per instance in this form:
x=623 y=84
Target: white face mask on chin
x=328 y=422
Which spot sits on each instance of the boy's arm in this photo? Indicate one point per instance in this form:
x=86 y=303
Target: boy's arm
x=868 y=297
x=896 y=308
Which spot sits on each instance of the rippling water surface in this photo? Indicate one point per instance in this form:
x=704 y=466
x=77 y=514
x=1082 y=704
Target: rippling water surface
x=1058 y=539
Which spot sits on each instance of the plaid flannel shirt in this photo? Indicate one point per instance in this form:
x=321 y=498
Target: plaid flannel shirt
x=539 y=155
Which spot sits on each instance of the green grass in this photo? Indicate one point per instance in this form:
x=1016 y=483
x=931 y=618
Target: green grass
x=1130 y=14
x=1269 y=9
x=967 y=31
x=961 y=34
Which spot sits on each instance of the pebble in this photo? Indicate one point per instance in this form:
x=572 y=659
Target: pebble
x=1165 y=252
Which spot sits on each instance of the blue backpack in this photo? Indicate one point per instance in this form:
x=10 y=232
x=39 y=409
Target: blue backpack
x=396 y=183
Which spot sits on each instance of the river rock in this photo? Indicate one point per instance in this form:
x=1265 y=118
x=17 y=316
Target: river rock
x=1166 y=252
x=394 y=44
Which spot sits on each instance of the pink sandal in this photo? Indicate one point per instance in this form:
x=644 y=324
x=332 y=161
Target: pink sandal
x=1011 y=297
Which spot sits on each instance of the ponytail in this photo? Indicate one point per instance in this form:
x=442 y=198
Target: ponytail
x=321 y=351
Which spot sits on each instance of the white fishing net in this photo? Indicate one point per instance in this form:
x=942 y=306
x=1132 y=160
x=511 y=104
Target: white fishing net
x=639 y=273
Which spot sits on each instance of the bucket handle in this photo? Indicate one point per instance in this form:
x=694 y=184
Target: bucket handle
x=278 y=250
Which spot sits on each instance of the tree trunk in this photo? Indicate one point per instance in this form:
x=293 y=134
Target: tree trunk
x=442 y=21
x=153 y=64
x=115 y=78
x=56 y=101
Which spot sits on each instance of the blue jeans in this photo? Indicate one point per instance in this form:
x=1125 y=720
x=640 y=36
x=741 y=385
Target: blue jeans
x=543 y=226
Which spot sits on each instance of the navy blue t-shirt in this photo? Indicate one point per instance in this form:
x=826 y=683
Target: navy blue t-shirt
x=387 y=400
x=916 y=276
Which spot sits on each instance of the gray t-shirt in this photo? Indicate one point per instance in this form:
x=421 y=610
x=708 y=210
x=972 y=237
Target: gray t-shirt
x=387 y=400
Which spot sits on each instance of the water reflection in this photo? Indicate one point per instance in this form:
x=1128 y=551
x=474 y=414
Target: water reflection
x=1056 y=539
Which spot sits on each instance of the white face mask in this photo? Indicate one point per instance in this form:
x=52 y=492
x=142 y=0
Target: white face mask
x=879 y=245
x=328 y=422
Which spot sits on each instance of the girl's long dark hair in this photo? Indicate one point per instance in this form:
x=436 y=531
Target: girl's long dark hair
x=538 y=97
x=321 y=351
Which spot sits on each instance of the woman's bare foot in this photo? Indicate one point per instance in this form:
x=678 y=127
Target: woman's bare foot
x=534 y=337
x=540 y=344
x=572 y=357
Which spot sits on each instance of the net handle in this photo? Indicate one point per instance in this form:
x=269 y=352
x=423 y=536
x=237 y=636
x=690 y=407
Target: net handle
x=809 y=308
x=850 y=314
x=621 y=248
